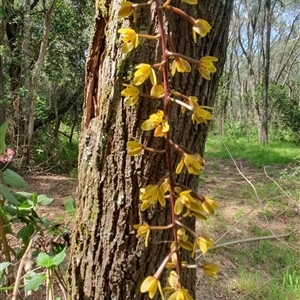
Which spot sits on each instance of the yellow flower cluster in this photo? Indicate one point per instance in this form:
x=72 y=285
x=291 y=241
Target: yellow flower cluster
x=184 y=202
x=193 y=163
x=156 y=121
x=150 y=194
x=178 y=292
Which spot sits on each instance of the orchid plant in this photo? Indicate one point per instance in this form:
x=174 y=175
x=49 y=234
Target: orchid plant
x=184 y=202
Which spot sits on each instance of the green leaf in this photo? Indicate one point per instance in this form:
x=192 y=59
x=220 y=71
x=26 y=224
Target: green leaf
x=26 y=232
x=8 y=196
x=22 y=196
x=34 y=198
x=3 y=266
x=44 y=260
x=44 y=200
x=10 y=210
x=59 y=258
x=70 y=205
x=3 y=129
x=13 y=179
x=34 y=282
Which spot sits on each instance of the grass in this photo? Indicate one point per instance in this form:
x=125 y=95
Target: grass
x=268 y=269
x=276 y=152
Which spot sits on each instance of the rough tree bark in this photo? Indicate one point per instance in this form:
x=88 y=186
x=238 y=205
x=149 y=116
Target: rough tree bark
x=107 y=261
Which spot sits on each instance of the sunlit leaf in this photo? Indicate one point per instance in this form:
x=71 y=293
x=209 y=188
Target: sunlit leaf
x=34 y=283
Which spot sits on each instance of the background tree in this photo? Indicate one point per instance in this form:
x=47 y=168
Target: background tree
x=258 y=30
x=107 y=261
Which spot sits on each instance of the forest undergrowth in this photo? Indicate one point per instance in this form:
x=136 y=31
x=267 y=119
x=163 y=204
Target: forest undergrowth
x=255 y=200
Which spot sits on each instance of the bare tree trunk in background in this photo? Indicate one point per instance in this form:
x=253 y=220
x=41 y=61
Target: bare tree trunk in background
x=27 y=99
x=266 y=70
x=107 y=261
x=29 y=107
x=2 y=100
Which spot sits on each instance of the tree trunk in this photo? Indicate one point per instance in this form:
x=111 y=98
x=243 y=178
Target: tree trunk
x=29 y=106
x=107 y=261
x=2 y=91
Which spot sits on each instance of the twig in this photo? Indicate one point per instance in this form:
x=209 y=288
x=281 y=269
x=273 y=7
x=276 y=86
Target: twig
x=248 y=240
x=15 y=295
x=6 y=250
x=253 y=239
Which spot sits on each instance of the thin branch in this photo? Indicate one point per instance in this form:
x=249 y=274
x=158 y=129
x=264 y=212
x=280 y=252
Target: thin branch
x=15 y=295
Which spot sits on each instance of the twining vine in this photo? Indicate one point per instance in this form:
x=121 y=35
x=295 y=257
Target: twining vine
x=184 y=201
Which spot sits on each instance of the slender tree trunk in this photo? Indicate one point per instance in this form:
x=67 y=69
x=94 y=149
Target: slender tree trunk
x=107 y=261
x=2 y=100
x=29 y=107
x=27 y=99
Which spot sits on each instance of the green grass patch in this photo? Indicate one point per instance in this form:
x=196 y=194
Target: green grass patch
x=258 y=155
x=266 y=271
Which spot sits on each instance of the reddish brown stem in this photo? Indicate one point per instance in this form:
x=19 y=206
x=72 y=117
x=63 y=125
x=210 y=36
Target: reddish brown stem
x=165 y=73
x=181 y=13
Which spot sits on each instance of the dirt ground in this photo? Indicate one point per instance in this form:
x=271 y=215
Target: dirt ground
x=242 y=208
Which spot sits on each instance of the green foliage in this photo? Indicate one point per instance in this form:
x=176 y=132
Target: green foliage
x=59 y=155
x=286 y=110
x=34 y=282
x=3 y=266
x=276 y=152
x=276 y=263
x=19 y=218
x=3 y=129
x=13 y=179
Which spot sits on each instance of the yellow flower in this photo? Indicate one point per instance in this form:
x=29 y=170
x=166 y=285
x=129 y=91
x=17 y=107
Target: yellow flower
x=192 y=2
x=131 y=94
x=206 y=66
x=165 y=186
x=134 y=148
x=196 y=214
x=150 y=195
x=143 y=72
x=181 y=294
x=157 y=91
x=211 y=269
x=130 y=39
x=156 y=122
x=181 y=65
x=201 y=27
x=193 y=162
x=200 y=115
x=126 y=9
x=173 y=282
x=144 y=231
x=149 y=285
x=185 y=199
x=183 y=239
x=204 y=243
x=209 y=205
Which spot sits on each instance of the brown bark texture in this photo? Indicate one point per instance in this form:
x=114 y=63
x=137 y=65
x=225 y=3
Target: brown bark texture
x=107 y=261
